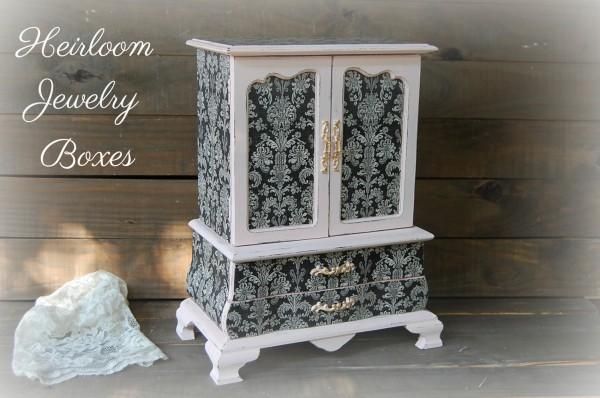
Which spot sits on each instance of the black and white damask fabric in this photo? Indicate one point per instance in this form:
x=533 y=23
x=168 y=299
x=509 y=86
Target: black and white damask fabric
x=278 y=294
x=207 y=281
x=293 y=311
x=213 y=141
x=279 y=276
x=281 y=122
x=371 y=172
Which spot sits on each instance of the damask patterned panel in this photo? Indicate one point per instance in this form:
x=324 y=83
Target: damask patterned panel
x=372 y=143
x=293 y=311
x=281 y=122
x=213 y=141
x=207 y=281
x=292 y=274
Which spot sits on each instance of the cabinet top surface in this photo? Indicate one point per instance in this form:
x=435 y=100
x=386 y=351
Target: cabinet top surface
x=267 y=47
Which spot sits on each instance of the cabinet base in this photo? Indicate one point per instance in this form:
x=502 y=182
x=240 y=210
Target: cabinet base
x=228 y=356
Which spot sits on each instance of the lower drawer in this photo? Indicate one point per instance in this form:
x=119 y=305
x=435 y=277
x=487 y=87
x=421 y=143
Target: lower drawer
x=317 y=308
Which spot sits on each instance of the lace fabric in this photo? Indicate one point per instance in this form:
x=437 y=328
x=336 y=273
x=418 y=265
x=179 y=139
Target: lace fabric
x=83 y=328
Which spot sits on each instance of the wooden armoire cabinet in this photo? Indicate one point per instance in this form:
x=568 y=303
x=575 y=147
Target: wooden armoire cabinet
x=306 y=172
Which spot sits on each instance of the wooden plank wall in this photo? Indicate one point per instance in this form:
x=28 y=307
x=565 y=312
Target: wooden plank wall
x=508 y=158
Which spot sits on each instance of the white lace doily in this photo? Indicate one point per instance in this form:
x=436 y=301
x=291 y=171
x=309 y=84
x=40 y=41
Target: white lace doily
x=83 y=328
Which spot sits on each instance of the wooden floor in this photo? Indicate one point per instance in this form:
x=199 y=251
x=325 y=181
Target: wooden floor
x=516 y=348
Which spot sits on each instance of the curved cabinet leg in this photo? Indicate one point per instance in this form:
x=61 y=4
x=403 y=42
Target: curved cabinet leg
x=227 y=363
x=333 y=343
x=429 y=333
x=185 y=325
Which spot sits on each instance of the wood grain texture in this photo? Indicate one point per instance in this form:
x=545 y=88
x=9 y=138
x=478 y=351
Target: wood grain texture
x=508 y=208
x=494 y=354
x=523 y=306
x=157 y=267
x=165 y=85
x=484 y=90
x=506 y=90
x=152 y=268
x=164 y=146
x=161 y=145
x=469 y=148
x=509 y=141
x=513 y=267
x=512 y=30
x=126 y=208
x=96 y=208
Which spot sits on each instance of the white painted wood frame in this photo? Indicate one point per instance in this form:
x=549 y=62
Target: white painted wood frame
x=247 y=70
x=254 y=50
x=407 y=68
x=304 y=247
x=228 y=356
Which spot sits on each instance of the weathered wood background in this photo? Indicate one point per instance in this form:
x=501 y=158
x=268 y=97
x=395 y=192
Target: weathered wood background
x=509 y=147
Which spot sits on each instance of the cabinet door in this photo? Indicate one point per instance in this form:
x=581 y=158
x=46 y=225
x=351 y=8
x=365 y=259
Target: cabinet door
x=375 y=103
x=280 y=107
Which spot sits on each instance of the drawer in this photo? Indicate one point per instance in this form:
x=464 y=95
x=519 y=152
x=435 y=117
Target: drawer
x=325 y=307
x=333 y=270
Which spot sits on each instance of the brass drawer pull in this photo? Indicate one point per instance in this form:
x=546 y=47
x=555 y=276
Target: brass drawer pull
x=335 y=307
x=326 y=147
x=337 y=145
x=348 y=266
